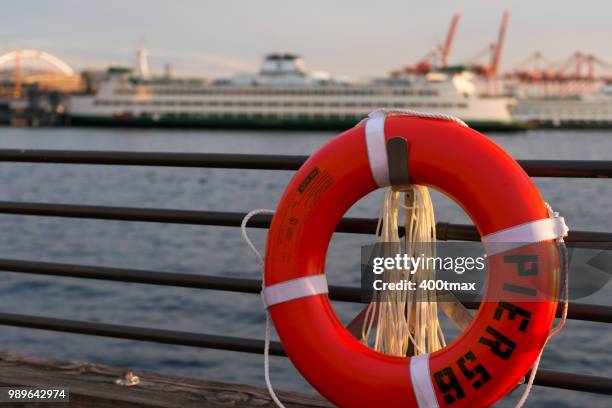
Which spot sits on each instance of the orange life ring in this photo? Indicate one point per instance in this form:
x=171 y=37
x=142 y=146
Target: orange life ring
x=505 y=338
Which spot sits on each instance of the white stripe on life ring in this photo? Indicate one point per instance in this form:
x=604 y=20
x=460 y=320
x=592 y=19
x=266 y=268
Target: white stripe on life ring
x=377 y=149
x=524 y=234
x=421 y=382
x=294 y=289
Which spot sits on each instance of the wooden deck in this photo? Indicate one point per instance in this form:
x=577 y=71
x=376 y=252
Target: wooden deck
x=93 y=385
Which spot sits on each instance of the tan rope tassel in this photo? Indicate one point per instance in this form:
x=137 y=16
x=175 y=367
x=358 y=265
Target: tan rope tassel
x=402 y=323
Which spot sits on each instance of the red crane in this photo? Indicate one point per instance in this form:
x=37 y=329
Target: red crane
x=494 y=50
x=493 y=68
x=445 y=51
x=437 y=56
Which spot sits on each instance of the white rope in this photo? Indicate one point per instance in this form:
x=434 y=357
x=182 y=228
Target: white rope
x=420 y=240
x=406 y=318
x=563 y=319
x=245 y=236
x=409 y=112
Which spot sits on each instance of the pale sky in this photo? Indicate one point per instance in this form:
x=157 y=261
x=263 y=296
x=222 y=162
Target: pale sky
x=347 y=38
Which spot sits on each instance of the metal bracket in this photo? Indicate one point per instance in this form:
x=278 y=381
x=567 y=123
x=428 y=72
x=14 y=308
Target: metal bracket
x=397 y=162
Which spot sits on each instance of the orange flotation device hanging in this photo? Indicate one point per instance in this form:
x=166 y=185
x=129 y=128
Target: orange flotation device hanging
x=488 y=359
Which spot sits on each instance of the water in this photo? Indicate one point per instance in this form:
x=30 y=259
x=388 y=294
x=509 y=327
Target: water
x=582 y=347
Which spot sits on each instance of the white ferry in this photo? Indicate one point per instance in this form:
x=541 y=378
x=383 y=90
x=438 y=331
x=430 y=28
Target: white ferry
x=588 y=110
x=282 y=95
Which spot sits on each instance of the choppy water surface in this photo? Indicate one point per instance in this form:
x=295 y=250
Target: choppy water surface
x=582 y=347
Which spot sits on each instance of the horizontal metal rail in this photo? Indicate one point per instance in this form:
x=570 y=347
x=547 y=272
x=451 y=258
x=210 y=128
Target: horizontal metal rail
x=535 y=168
x=444 y=231
x=548 y=378
x=579 y=311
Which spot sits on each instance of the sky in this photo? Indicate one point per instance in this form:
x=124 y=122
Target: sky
x=356 y=39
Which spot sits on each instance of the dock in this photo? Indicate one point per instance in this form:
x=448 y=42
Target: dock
x=93 y=386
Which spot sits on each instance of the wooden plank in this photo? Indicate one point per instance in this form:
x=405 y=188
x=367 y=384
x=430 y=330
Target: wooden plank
x=93 y=386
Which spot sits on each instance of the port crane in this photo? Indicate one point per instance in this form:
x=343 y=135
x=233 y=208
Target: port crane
x=578 y=66
x=491 y=69
x=579 y=73
x=450 y=36
x=436 y=57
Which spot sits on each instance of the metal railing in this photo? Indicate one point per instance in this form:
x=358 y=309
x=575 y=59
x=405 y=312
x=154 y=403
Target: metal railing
x=535 y=168
x=446 y=231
